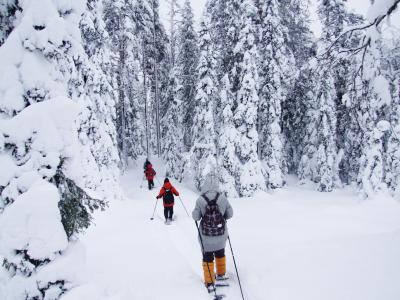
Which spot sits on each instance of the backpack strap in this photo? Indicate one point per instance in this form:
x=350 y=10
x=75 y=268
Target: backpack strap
x=208 y=200
x=205 y=198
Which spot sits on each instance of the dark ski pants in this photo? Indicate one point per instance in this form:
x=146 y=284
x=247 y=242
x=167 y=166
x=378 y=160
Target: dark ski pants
x=168 y=212
x=151 y=183
x=209 y=256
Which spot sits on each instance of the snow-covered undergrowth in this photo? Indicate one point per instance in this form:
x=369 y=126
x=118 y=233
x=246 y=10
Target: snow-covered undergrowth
x=295 y=244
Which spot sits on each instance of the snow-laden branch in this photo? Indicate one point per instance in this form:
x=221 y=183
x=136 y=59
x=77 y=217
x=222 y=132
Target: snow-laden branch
x=384 y=11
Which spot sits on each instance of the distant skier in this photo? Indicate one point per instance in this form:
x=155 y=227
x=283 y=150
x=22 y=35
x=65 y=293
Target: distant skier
x=149 y=173
x=167 y=192
x=146 y=163
x=213 y=209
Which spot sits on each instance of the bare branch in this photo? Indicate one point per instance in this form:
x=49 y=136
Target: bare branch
x=377 y=21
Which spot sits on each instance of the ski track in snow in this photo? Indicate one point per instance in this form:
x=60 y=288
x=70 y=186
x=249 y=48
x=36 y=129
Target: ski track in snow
x=294 y=245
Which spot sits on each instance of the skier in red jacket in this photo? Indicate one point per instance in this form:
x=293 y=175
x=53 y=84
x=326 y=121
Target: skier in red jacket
x=150 y=173
x=167 y=192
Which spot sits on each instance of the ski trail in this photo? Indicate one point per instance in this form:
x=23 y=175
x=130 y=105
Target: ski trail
x=142 y=258
x=291 y=245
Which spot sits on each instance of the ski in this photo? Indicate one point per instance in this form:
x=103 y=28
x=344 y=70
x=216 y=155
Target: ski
x=213 y=292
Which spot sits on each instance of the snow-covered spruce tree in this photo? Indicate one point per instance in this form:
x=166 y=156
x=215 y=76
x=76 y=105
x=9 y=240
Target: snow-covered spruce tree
x=322 y=153
x=123 y=30
x=319 y=159
x=187 y=61
x=174 y=9
x=373 y=96
x=227 y=161
x=203 y=152
x=335 y=18
x=298 y=115
x=157 y=70
x=224 y=17
x=46 y=165
x=8 y=15
x=276 y=64
x=245 y=90
x=371 y=176
x=295 y=18
x=97 y=127
x=393 y=144
x=144 y=32
x=172 y=132
x=370 y=94
x=391 y=67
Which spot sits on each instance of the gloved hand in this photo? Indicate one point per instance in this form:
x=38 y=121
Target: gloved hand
x=157 y=197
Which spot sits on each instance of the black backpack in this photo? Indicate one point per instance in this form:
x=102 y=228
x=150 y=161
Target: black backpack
x=213 y=222
x=168 y=196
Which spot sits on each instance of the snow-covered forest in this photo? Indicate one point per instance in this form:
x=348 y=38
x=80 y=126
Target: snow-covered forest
x=89 y=88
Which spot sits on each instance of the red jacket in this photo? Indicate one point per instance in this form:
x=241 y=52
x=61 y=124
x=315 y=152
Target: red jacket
x=167 y=186
x=149 y=172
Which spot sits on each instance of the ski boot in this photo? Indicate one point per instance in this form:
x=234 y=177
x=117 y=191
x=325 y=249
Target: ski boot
x=210 y=288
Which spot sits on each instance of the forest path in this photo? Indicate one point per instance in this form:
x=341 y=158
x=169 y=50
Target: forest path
x=296 y=244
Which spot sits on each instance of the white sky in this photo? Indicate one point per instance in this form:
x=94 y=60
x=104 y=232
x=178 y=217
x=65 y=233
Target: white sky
x=360 y=6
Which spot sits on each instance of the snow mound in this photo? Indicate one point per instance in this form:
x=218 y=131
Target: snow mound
x=33 y=223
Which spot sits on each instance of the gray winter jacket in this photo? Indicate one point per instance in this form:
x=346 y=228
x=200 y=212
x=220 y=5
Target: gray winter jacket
x=213 y=243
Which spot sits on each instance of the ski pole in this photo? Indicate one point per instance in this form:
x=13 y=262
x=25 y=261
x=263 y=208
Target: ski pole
x=217 y=297
x=234 y=262
x=154 y=211
x=183 y=206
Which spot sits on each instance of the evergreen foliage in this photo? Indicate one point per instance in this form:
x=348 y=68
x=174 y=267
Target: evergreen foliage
x=245 y=88
x=276 y=62
x=187 y=61
x=203 y=151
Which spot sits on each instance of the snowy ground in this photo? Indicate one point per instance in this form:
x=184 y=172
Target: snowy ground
x=294 y=245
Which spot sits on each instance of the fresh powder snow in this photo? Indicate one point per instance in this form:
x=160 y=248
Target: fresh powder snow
x=293 y=244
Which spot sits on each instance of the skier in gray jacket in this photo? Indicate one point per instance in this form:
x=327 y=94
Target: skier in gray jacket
x=213 y=240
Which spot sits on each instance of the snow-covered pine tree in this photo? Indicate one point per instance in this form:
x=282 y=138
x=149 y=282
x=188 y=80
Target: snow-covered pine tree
x=157 y=70
x=97 y=127
x=299 y=115
x=322 y=153
x=371 y=175
x=47 y=168
x=245 y=89
x=125 y=44
x=295 y=18
x=393 y=144
x=319 y=158
x=171 y=105
x=8 y=15
x=391 y=66
x=227 y=161
x=172 y=131
x=187 y=61
x=335 y=18
x=276 y=64
x=327 y=171
x=373 y=96
x=144 y=30
x=174 y=9
x=114 y=15
x=224 y=15
x=203 y=152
